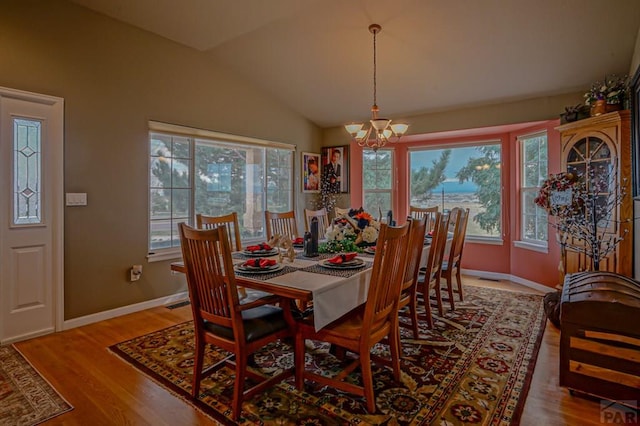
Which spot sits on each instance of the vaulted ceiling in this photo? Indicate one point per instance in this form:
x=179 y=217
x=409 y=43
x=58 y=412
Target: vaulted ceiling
x=433 y=55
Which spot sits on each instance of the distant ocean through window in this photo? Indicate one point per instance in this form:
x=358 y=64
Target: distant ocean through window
x=454 y=186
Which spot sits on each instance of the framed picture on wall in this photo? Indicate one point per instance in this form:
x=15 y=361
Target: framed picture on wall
x=335 y=168
x=310 y=172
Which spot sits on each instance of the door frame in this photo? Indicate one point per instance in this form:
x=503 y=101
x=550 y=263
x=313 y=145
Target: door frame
x=56 y=159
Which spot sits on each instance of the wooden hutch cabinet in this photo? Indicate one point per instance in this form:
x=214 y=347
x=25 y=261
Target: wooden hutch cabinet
x=603 y=141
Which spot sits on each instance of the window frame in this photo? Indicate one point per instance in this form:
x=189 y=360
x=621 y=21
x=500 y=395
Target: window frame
x=195 y=135
x=523 y=242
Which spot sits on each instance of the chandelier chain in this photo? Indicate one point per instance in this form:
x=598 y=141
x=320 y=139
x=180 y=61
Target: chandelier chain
x=375 y=102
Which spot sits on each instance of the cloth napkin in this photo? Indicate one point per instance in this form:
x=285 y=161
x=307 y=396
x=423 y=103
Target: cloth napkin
x=342 y=258
x=261 y=246
x=298 y=240
x=259 y=263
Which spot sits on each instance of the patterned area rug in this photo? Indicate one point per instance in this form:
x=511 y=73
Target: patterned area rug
x=475 y=367
x=26 y=398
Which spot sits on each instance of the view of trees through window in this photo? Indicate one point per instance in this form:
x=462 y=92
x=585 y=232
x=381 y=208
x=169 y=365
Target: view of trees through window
x=377 y=178
x=227 y=177
x=467 y=177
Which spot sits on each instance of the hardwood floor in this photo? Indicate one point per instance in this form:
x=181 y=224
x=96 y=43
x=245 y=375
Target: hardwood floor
x=106 y=391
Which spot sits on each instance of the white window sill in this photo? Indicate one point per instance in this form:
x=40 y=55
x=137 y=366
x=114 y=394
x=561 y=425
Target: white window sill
x=484 y=240
x=175 y=254
x=531 y=246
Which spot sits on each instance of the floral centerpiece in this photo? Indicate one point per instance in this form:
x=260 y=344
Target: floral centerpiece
x=351 y=232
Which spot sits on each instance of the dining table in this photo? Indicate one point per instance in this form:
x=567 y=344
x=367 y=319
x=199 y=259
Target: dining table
x=334 y=289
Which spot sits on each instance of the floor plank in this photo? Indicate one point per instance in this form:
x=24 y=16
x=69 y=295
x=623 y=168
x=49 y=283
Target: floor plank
x=106 y=391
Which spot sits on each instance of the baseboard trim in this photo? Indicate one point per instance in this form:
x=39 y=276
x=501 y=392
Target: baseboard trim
x=124 y=310
x=500 y=276
x=27 y=336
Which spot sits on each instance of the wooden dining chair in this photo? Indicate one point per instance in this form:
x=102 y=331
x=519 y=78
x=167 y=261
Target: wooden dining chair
x=359 y=330
x=419 y=212
x=221 y=320
x=452 y=261
x=323 y=220
x=281 y=223
x=230 y=221
x=429 y=275
x=408 y=293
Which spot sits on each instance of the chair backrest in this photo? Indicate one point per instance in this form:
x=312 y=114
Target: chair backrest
x=281 y=223
x=420 y=212
x=229 y=221
x=417 y=231
x=438 y=245
x=323 y=220
x=459 y=235
x=388 y=271
x=210 y=277
x=459 y=230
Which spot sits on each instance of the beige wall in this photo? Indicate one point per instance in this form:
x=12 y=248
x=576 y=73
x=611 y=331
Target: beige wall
x=635 y=60
x=529 y=110
x=114 y=78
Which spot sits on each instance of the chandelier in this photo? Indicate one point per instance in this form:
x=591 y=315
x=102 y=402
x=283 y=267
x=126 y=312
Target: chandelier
x=381 y=130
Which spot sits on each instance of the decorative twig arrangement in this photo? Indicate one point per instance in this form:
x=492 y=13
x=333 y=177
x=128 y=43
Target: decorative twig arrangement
x=584 y=209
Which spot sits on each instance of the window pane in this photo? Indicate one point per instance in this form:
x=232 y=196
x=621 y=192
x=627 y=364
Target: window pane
x=377 y=202
x=467 y=177
x=160 y=202
x=279 y=184
x=225 y=181
x=27 y=171
x=169 y=188
x=161 y=235
x=377 y=181
x=533 y=171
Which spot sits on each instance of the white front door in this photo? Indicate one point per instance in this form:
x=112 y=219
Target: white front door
x=31 y=215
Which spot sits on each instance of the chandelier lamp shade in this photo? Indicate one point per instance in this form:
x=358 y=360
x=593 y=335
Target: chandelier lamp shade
x=380 y=130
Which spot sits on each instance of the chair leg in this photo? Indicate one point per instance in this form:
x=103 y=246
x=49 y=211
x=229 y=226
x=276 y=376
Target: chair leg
x=396 y=350
x=439 y=296
x=367 y=380
x=413 y=314
x=299 y=356
x=197 y=366
x=459 y=280
x=449 y=279
x=238 y=390
x=426 y=289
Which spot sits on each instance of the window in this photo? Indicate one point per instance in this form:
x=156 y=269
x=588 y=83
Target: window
x=377 y=180
x=533 y=171
x=214 y=174
x=460 y=176
x=27 y=171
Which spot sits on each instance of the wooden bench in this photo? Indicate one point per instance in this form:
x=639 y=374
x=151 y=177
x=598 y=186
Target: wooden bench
x=600 y=336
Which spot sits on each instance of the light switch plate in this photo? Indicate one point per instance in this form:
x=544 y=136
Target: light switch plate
x=76 y=198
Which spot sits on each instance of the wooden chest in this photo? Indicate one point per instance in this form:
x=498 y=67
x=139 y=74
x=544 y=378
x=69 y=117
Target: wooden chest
x=600 y=336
